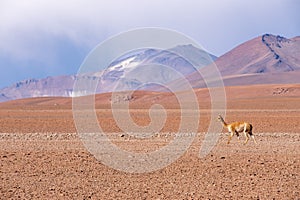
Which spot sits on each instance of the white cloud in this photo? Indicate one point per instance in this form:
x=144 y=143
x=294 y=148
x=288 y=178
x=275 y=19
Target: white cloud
x=28 y=26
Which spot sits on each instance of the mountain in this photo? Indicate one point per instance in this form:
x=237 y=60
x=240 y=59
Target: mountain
x=153 y=67
x=50 y=86
x=267 y=59
x=265 y=54
x=3 y=98
x=133 y=71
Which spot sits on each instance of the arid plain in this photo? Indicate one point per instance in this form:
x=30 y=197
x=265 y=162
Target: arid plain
x=42 y=157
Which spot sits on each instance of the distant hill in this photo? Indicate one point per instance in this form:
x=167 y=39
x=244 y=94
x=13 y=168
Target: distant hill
x=126 y=73
x=267 y=59
x=145 y=99
x=50 y=86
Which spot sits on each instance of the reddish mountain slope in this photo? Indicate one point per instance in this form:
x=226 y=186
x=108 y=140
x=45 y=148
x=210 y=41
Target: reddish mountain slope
x=264 y=54
x=267 y=59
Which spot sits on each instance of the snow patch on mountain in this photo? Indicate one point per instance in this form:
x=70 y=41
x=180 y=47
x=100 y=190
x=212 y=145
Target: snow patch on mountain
x=123 y=65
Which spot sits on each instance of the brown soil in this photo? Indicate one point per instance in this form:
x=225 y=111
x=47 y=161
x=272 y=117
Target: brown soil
x=41 y=156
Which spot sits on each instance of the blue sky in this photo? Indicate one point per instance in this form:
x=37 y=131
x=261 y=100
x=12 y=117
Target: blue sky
x=40 y=38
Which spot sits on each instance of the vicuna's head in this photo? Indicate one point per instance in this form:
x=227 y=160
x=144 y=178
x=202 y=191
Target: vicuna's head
x=220 y=118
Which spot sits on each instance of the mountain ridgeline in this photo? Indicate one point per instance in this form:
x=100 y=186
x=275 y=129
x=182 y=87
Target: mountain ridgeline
x=267 y=59
x=135 y=71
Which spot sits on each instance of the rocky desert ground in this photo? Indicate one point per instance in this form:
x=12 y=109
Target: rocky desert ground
x=42 y=157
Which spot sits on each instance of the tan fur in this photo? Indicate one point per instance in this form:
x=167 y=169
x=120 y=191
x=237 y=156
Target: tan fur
x=236 y=128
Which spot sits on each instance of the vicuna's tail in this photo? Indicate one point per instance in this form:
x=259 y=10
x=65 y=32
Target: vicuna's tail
x=251 y=134
x=250 y=129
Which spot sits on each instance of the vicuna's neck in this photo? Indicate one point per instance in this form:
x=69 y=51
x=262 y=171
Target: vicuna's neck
x=223 y=122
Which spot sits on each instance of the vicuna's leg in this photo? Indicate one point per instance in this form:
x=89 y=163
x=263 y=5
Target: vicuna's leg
x=252 y=136
x=247 y=137
x=238 y=135
x=231 y=134
x=253 y=139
